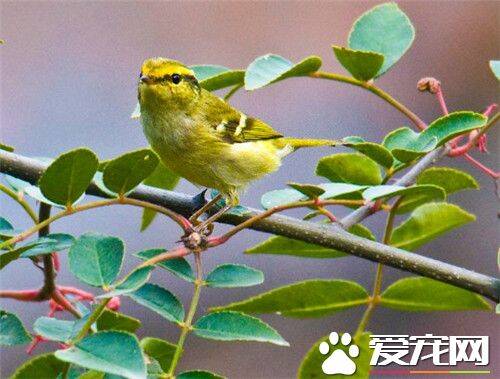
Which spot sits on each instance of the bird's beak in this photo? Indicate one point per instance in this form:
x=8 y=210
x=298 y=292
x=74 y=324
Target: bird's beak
x=146 y=79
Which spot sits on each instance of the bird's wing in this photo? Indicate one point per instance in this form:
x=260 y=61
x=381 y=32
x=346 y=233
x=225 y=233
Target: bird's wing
x=234 y=126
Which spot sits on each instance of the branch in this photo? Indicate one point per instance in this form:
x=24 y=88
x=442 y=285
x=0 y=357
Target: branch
x=330 y=236
x=365 y=211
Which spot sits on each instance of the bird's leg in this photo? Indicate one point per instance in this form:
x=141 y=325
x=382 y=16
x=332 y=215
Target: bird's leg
x=204 y=208
x=213 y=218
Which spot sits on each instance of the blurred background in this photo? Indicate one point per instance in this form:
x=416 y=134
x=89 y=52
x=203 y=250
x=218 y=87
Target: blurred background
x=68 y=79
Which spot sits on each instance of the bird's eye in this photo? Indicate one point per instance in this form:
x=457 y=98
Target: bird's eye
x=176 y=78
x=140 y=74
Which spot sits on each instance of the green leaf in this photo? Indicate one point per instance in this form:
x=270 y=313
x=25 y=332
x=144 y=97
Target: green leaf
x=116 y=353
x=363 y=65
x=67 y=178
x=198 y=374
x=428 y=222
x=111 y=320
x=286 y=196
x=214 y=77
x=5 y=147
x=310 y=368
x=272 y=68
x=309 y=298
x=159 y=300
x=495 y=68
x=233 y=275
x=412 y=196
x=384 y=29
x=372 y=150
x=177 y=266
x=287 y=246
x=42 y=244
x=454 y=124
x=160 y=350
x=5 y=224
x=96 y=259
x=53 y=329
x=311 y=191
x=235 y=326
x=406 y=146
x=93 y=375
x=449 y=179
x=133 y=281
x=51 y=243
x=164 y=178
x=126 y=172
x=45 y=366
x=349 y=168
x=12 y=330
x=424 y=294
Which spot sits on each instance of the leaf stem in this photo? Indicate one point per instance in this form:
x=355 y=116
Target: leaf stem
x=186 y=327
x=232 y=91
x=23 y=203
x=375 y=90
x=377 y=283
x=96 y=313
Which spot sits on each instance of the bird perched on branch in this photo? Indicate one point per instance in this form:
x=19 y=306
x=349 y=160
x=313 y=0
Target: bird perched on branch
x=202 y=138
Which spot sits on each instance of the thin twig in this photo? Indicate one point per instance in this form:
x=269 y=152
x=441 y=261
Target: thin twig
x=375 y=90
x=23 y=203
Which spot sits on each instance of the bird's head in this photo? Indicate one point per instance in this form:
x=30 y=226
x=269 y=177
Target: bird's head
x=167 y=82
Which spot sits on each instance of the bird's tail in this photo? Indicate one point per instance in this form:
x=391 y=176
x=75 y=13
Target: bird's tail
x=296 y=143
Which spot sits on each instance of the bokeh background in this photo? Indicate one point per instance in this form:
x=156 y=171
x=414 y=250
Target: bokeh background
x=68 y=79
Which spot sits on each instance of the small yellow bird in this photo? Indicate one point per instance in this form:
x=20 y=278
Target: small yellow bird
x=202 y=138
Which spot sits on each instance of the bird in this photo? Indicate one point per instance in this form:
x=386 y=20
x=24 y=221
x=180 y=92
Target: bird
x=204 y=139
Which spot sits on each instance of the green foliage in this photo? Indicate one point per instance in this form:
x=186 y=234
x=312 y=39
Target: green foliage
x=67 y=178
x=159 y=300
x=198 y=374
x=116 y=353
x=375 y=151
x=236 y=326
x=160 y=350
x=349 y=168
x=449 y=179
x=96 y=259
x=406 y=146
x=452 y=125
x=133 y=281
x=280 y=245
x=12 y=330
x=424 y=294
x=126 y=172
x=363 y=65
x=180 y=267
x=42 y=366
x=310 y=368
x=384 y=29
x=111 y=320
x=428 y=222
x=310 y=298
x=412 y=196
x=54 y=329
x=271 y=68
x=290 y=195
x=51 y=243
x=213 y=77
x=233 y=275
x=495 y=68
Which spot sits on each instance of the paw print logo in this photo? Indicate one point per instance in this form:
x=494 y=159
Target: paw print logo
x=338 y=362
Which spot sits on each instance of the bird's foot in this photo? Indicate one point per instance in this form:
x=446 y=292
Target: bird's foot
x=195 y=241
